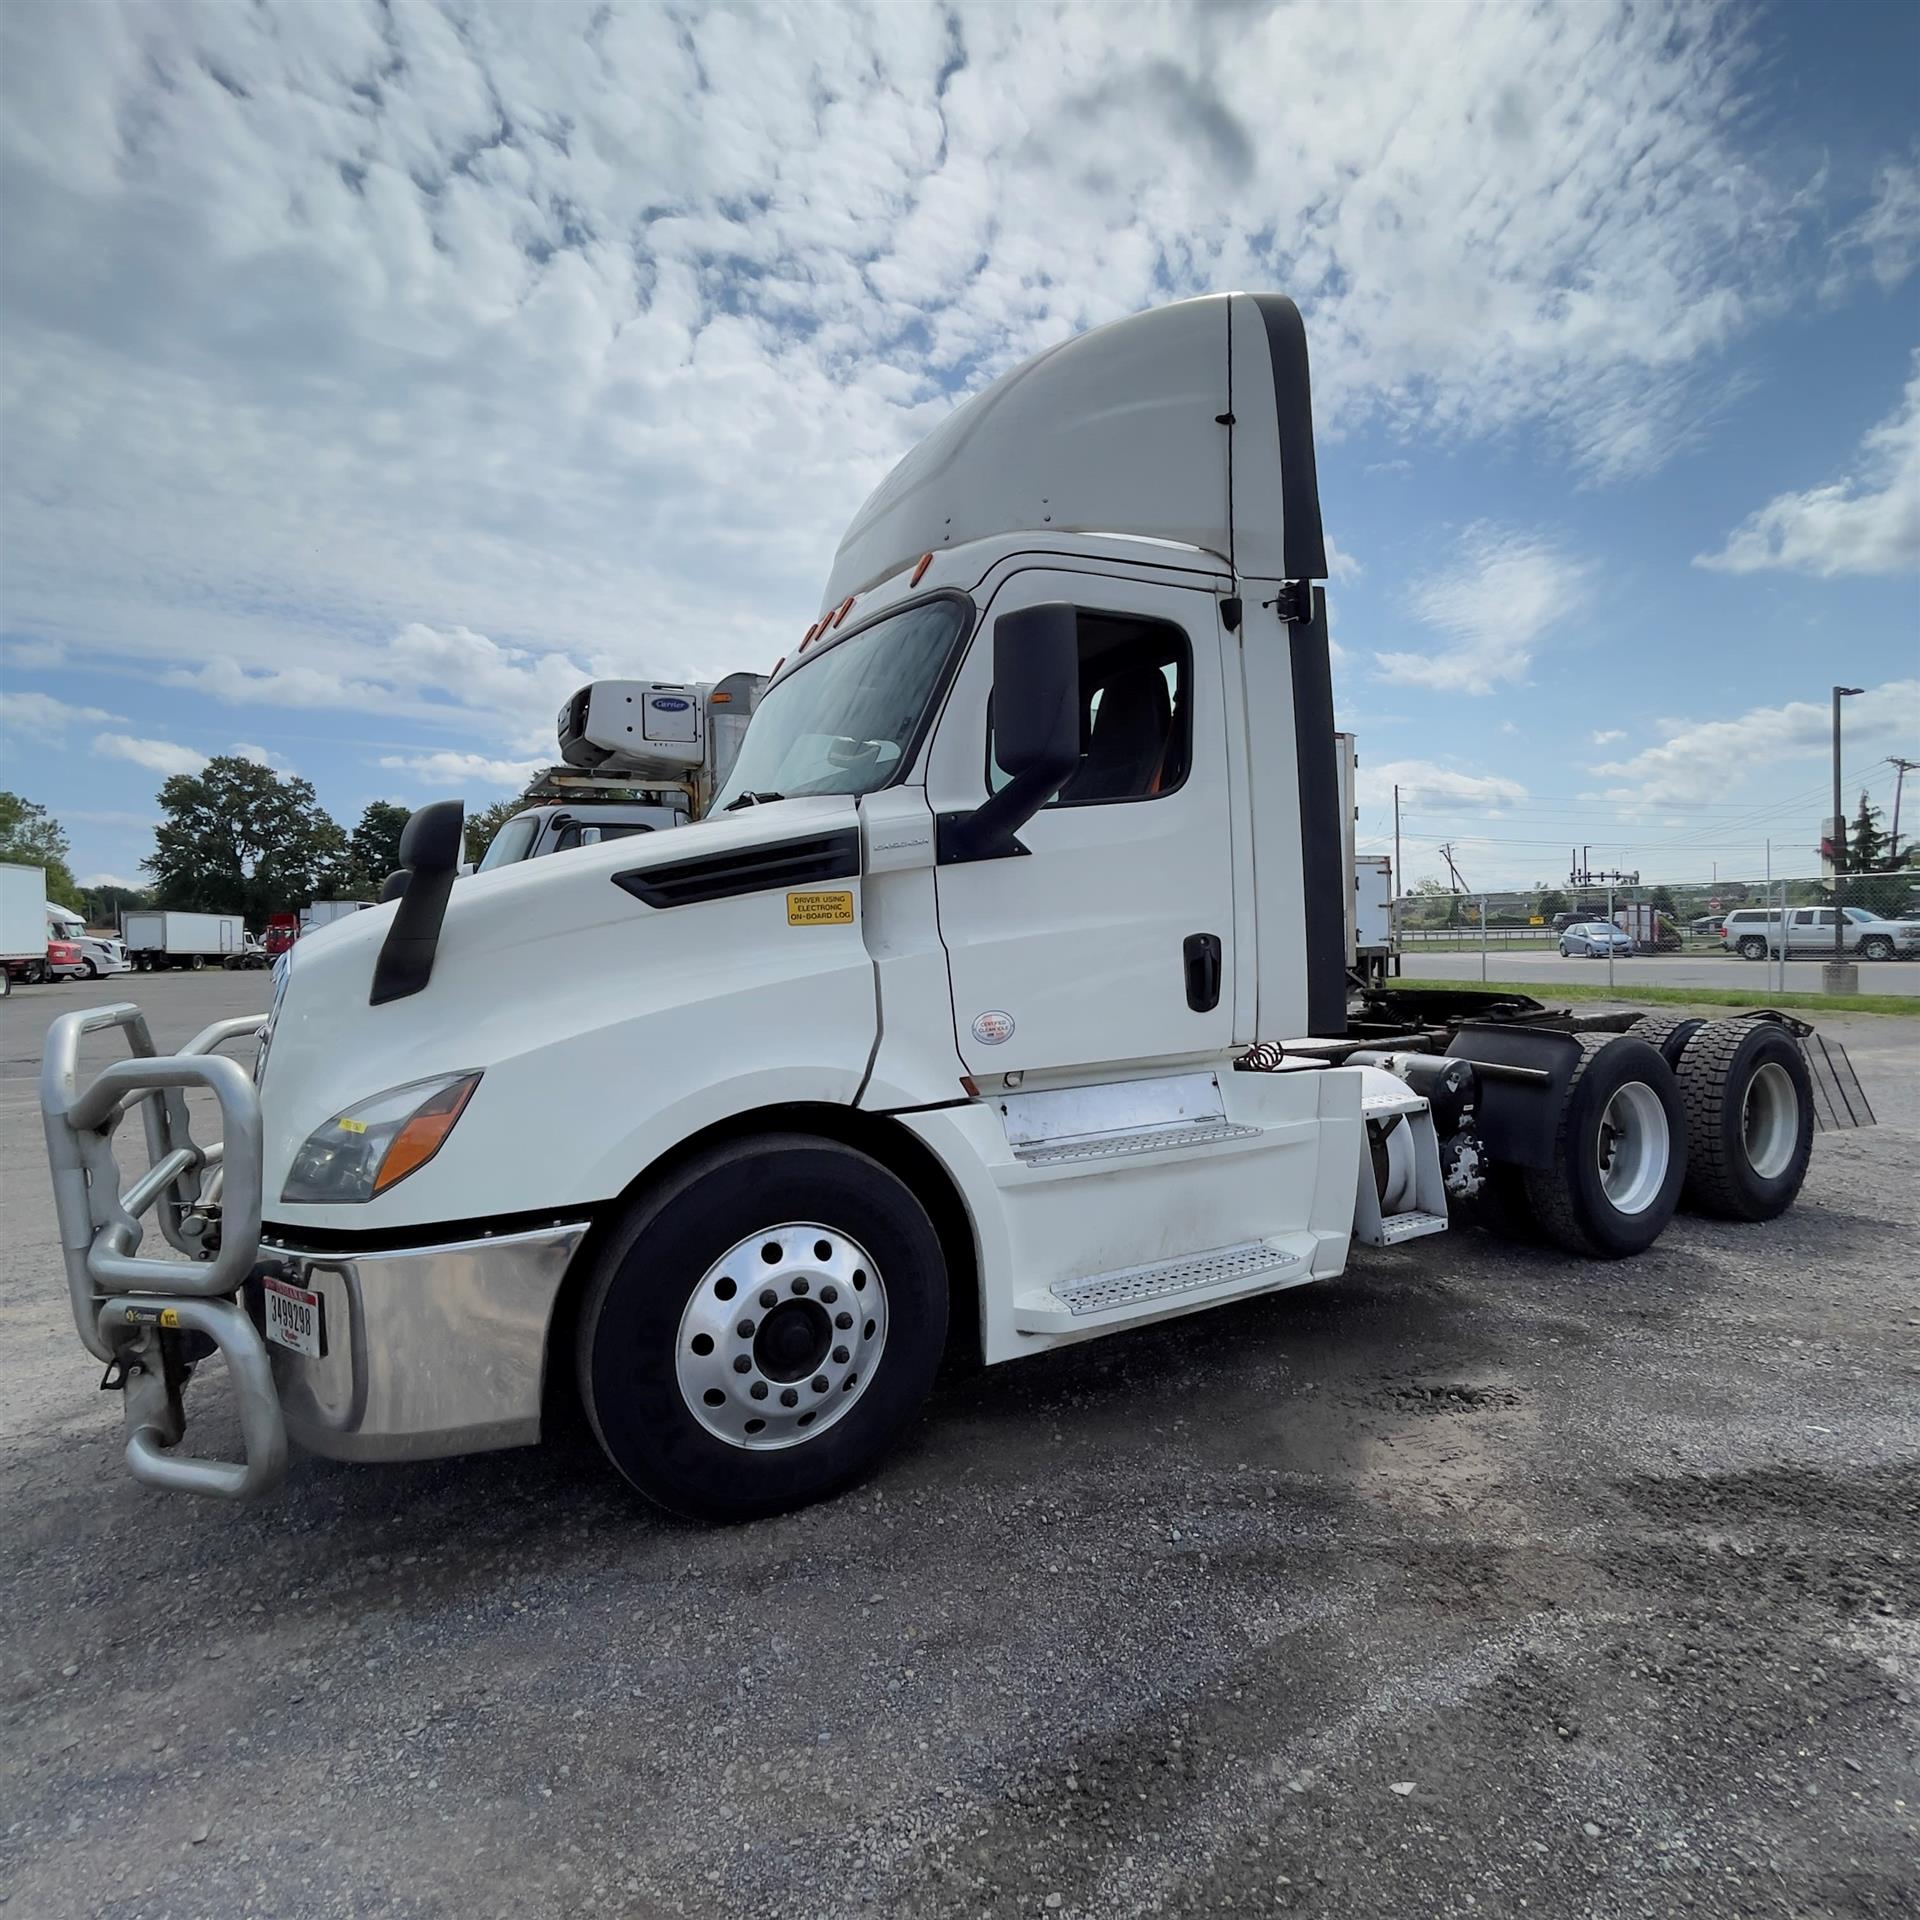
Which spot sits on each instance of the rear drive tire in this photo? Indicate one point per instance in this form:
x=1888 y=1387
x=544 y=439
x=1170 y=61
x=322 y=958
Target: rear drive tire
x=1752 y=947
x=761 y=1327
x=1669 y=1032
x=1619 y=1152
x=1749 y=1101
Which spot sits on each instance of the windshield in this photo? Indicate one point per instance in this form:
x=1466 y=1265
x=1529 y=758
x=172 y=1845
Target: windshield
x=1857 y=914
x=513 y=842
x=844 y=720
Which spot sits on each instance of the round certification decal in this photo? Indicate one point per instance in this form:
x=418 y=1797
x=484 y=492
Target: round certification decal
x=990 y=1029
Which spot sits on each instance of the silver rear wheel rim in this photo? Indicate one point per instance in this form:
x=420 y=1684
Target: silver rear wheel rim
x=1770 y=1120
x=1633 y=1148
x=782 y=1336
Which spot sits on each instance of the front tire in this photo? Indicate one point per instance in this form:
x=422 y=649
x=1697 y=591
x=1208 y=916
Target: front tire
x=1878 y=947
x=88 y=971
x=1749 y=1101
x=1619 y=1153
x=703 y=1385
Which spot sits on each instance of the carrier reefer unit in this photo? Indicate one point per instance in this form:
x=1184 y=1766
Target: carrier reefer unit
x=1000 y=1000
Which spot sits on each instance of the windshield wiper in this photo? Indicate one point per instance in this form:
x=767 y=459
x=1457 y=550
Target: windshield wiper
x=750 y=799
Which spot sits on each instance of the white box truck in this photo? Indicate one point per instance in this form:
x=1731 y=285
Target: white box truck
x=23 y=923
x=1012 y=1012
x=159 y=938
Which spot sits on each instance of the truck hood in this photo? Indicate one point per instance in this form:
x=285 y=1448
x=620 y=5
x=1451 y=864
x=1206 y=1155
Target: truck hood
x=589 y=998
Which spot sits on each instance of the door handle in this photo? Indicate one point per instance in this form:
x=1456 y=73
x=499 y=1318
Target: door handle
x=1202 y=951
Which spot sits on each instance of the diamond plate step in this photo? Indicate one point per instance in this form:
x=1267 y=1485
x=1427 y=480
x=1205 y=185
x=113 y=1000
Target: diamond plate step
x=1128 y=1287
x=1119 y=1146
x=1410 y=1226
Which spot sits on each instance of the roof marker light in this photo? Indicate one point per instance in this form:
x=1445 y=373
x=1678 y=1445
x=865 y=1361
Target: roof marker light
x=926 y=560
x=846 y=607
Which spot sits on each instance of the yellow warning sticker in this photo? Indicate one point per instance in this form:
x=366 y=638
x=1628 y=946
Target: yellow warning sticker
x=820 y=909
x=169 y=1317
x=351 y=1126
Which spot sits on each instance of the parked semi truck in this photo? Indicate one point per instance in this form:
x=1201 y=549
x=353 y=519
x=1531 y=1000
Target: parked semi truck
x=637 y=756
x=161 y=938
x=999 y=1002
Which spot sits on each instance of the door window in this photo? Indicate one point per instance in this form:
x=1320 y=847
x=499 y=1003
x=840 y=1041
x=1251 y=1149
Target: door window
x=1136 y=718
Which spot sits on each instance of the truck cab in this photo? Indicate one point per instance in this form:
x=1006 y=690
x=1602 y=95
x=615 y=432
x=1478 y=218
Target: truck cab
x=999 y=1001
x=560 y=828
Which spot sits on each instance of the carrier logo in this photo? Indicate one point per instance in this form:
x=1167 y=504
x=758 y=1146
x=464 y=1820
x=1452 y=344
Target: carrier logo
x=669 y=705
x=992 y=1028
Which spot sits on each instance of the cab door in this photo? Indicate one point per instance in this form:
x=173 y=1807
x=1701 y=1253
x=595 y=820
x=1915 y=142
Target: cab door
x=1109 y=941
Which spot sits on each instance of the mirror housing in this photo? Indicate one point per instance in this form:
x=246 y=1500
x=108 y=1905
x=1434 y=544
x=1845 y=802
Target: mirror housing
x=430 y=853
x=1036 y=729
x=589 y=836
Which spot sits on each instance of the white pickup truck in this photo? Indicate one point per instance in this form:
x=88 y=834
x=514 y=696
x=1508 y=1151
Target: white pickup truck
x=1754 y=933
x=1000 y=1002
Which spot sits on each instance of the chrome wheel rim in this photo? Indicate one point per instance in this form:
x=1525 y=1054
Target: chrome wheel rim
x=782 y=1336
x=1770 y=1120
x=1633 y=1147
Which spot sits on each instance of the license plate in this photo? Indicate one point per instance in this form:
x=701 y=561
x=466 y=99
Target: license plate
x=293 y=1318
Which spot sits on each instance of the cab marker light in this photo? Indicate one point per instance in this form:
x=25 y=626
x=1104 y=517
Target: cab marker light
x=926 y=560
x=846 y=607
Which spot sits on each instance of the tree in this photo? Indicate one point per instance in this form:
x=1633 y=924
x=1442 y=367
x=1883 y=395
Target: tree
x=1867 y=850
x=1661 y=900
x=32 y=837
x=1551 y=901
x=482 y=826
x=104 y=905
x=373 y=851
x=240 y=838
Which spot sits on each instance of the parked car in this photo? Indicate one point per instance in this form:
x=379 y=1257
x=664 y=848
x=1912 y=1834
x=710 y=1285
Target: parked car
x=1594 y=939
x=1707 y=926
x=1754 y=933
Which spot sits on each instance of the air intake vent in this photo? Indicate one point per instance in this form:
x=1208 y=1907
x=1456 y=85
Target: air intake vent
x=719 y=876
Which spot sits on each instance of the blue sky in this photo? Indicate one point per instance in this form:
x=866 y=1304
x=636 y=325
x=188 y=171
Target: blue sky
x=370 y=377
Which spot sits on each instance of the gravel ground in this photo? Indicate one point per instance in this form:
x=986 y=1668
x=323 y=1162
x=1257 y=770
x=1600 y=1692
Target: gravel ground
x=1476 y=1582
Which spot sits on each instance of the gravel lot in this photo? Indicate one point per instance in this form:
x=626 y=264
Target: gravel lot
x=1476 y=1582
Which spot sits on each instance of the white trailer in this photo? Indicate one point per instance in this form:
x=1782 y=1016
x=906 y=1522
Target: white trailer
x=159 y=938
x=323 y=913
x=23 y=923
x=1012 y=1012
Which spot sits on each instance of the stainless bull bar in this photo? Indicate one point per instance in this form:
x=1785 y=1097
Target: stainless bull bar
x=130 y=1310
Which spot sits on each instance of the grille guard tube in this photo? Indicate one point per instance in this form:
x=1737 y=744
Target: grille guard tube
x=124 y=1305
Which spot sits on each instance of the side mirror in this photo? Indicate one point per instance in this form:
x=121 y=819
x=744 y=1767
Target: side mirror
x=589 y=836
x=429 y=853
x=1036 y=729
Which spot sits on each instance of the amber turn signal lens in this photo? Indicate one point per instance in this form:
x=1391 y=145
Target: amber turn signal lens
x=424 y=1133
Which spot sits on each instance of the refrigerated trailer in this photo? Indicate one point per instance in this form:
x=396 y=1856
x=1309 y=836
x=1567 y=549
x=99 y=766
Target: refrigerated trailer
x=1000 y=1002
x=23 y=923
x=160 y=938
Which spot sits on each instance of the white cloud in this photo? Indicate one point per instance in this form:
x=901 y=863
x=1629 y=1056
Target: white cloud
x=1495 y=606
x=1430 y=785
x=1866 y=523
x=42 y=714
x=1707 y=760
x=447 y=769
x=1885 y=239
x=579 y=331
x=1606 y=736
x=114 y=880
x=162 y=756
x=1341 y=565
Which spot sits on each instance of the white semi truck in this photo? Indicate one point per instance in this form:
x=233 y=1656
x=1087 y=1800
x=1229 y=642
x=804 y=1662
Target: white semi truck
x=638 y=756
x=1000 y=1001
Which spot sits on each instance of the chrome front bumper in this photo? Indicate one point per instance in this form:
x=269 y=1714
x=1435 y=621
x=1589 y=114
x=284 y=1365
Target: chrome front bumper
x=431 y=1350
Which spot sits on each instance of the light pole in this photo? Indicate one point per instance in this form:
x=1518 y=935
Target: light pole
x=1841 y=978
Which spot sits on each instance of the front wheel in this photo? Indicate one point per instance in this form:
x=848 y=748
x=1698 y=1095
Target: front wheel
x=1619 y=1152
x=1877 y=947
x=762 y=1327
x=88 y=971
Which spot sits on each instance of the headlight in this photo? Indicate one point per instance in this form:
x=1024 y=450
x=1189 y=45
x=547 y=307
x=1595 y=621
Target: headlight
x=376 y=1144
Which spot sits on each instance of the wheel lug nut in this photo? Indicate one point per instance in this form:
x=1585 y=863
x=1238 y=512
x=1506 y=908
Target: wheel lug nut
x=768 y=1298
x=843 y=1321
x=800 y=1286
x=745 y=1329
x=758 y=1390
x=839 y=1356
x=788 y=1398
x=819 y=1383
x=828 y=1295
x=741 y=1364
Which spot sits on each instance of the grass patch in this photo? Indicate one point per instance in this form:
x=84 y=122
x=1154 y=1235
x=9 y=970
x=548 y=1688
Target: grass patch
x=1897 y=1003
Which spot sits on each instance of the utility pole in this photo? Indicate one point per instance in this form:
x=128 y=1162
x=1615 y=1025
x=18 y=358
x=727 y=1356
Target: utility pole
x=1901 y=768
x=1841 y=978
x=1400 y=872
